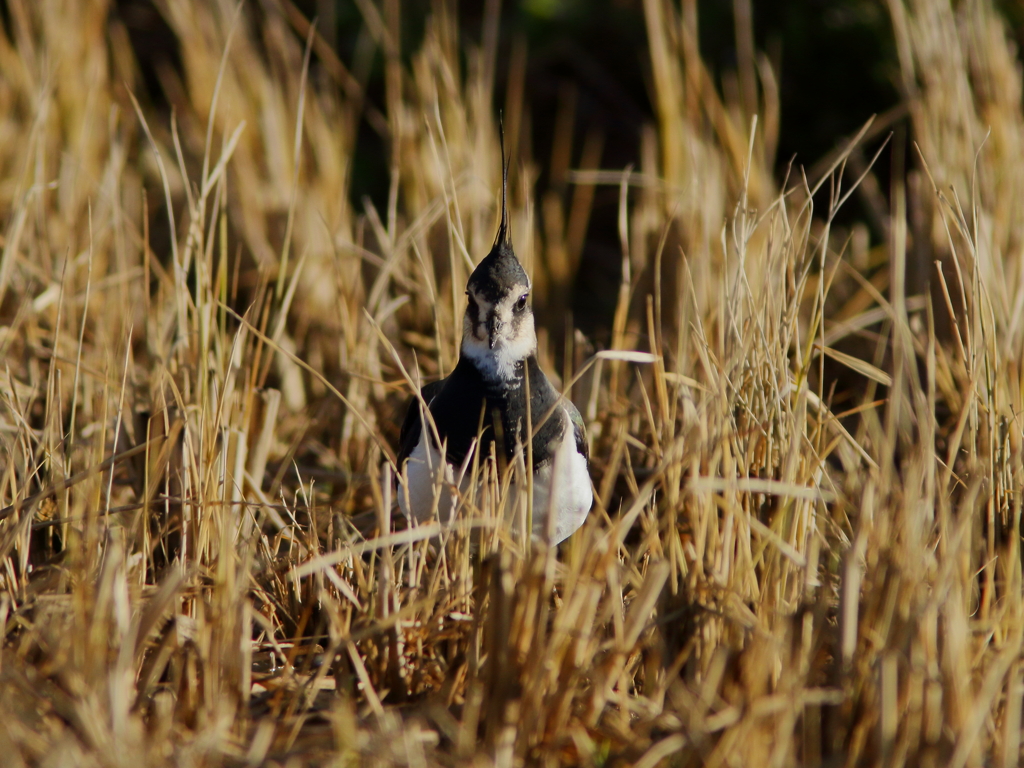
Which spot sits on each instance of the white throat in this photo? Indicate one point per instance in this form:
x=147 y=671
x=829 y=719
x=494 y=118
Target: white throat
x=499 y=363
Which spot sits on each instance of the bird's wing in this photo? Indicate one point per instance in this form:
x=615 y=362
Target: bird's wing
x=578 y=428
x=412 y=426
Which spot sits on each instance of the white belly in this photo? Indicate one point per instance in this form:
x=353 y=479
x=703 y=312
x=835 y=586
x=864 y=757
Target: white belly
x=416 y=496
x=560 y=485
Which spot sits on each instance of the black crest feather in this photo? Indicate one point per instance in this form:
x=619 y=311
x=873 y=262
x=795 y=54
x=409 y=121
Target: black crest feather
x=499 y=270
x=504 y=236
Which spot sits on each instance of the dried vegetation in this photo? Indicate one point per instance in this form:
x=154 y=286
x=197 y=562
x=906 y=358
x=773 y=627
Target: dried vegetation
x=199 y=563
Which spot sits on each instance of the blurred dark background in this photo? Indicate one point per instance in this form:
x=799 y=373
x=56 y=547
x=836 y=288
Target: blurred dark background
x=835 y=59
x=835 y=62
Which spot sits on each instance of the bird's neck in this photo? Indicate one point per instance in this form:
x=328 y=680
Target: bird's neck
x=524 y=396
x=498 y=367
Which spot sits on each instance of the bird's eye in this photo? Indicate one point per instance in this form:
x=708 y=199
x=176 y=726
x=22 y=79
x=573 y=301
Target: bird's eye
x=521 y=304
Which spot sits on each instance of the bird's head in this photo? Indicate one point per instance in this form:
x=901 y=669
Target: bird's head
x=498 y=329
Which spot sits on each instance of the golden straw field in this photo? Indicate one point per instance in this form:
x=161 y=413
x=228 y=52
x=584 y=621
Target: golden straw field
x=805 y=546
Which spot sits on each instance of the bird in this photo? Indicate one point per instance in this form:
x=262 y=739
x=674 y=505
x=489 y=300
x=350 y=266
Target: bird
x=486 y=396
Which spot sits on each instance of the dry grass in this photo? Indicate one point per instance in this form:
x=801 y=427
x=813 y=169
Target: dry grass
x=200 y=563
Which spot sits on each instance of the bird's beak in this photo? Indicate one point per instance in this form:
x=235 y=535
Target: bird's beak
x=492 y=329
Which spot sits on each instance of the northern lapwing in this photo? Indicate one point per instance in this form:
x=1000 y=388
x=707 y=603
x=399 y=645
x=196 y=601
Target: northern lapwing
x=486 y=396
